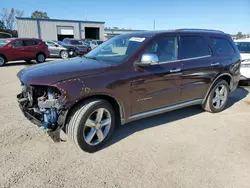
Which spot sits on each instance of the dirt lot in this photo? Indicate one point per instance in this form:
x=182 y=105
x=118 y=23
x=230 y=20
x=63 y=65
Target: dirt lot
x=185 y=148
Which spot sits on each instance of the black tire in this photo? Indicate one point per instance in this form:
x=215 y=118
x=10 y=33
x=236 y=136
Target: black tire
x=209 y=106
x=40 y=58
x=78 y=118
x=2 y=60
x=64 y=54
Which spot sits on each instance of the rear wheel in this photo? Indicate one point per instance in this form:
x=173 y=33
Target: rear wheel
x=40 y=58
x=64 y=54
x=91 y=124
x=218 y=97
x=2 y=61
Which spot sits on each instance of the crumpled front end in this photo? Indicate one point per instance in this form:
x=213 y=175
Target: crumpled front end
x=43 y=105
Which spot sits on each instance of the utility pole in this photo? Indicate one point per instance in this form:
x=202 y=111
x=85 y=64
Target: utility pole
x=154 y=25
x=85 y=14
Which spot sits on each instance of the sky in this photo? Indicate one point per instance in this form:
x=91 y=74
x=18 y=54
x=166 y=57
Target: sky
x=230 y=16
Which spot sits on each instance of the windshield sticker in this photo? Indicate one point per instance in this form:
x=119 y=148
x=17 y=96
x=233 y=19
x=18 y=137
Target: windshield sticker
x=137 y=39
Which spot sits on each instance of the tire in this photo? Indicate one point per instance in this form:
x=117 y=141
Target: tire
x=40 y=58
x=210 y=104
x=88 y=137
x=64 y=54
x=2 y=60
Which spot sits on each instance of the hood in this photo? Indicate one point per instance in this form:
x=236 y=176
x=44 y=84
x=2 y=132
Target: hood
x=52 y=72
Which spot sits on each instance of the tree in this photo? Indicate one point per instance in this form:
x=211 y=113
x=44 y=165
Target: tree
x=2 y=26
x=8 y=17
x=39 y=14
x=239 y=34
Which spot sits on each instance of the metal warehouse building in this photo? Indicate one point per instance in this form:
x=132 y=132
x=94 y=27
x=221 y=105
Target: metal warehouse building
x=54 y=29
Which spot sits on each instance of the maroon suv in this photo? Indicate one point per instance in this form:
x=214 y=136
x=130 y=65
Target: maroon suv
x=27 y=49
x=130 y=77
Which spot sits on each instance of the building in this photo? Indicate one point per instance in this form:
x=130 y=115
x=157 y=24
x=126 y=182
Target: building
x=111 y=32
x=55 y=29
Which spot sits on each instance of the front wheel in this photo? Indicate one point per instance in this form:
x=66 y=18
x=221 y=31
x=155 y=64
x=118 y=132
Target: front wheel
x=91 y=124
x=2 y=61
x=64 y=54
x=218 y=97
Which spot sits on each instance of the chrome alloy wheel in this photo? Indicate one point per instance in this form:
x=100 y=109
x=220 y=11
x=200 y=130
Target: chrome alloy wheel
x=64 y=54
x=97 y=126
x=1 y=61
x=220 y=97
x=41 y=58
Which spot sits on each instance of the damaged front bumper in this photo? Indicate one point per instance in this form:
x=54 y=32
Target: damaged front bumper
x=40 y=113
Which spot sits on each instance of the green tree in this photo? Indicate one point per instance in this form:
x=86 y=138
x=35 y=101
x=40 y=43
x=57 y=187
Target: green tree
x=239 y=34
x=39 y=14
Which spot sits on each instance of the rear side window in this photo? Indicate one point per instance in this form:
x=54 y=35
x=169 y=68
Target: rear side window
x=17 y=43
x=222 y=45
x=30 y=42
x=193 y=46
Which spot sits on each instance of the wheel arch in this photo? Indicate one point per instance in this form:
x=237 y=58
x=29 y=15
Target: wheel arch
x=225 y=76
x=116 y=104
x=41 y=53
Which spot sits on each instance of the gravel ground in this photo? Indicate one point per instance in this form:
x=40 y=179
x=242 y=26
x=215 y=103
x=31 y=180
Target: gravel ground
x=185 y=148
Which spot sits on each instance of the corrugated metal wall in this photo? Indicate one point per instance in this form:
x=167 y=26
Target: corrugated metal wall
x=49 y=29
x=27 y=28
x=101 y=26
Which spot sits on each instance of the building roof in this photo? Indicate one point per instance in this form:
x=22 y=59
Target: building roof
x=58 y=20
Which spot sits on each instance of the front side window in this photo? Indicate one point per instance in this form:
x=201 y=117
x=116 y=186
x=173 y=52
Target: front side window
x=30 y=42
x=244 y=47
x=222 y=45
x=17 y=43
x=51 y=44
x=117 y=49
x=165 y=48
x=193 y=46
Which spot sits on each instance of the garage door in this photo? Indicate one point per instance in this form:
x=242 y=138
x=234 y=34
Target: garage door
x=65 y=30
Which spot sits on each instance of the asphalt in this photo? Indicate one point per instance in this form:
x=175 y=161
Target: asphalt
x=184 y=148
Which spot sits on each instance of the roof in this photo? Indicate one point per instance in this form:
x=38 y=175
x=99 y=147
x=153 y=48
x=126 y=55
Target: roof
x=58 y=20
x=179 y=31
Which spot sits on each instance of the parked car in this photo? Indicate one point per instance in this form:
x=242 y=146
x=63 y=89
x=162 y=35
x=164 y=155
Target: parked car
x=72 y=50
x=244 y=48
x=27 y=49
x=156 y=72
x=95 y=43
x=82 y=49
x=87 y=44
x=57 y=50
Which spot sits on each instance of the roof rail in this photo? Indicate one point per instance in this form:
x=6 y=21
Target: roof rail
x=202 y=30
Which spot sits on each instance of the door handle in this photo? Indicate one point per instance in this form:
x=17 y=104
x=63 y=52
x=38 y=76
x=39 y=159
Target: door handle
x=215 y=64
x=175 y=70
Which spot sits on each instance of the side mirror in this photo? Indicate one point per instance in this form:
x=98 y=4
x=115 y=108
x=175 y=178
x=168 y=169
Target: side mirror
x=148 y=59
x=56 y=45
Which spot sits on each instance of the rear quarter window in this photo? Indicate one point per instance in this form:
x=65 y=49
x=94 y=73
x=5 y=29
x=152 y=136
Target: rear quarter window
x=222 y=45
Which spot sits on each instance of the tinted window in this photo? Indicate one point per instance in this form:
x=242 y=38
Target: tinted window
x=76 y=42
x=17 y=43
x=244 y=47
x=191 y=46
x=222 y=45
x=165 y=48
x=30 y=42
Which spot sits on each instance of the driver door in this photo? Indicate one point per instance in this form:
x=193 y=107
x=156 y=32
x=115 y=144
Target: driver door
x=158 y=85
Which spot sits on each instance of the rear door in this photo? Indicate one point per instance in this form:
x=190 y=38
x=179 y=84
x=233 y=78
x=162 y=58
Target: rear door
x=158 y=85
x=200 y=66
x=31 y=47
x=16 y=51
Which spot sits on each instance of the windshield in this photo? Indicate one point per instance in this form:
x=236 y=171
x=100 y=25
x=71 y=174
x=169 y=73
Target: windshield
x=244 y=47
x=117 y=49
x=3 y=42
x=76 y=42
